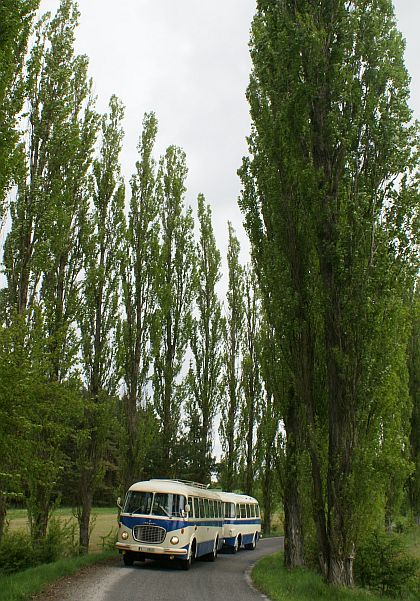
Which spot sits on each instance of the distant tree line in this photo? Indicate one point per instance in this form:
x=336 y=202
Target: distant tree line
x=120 y=357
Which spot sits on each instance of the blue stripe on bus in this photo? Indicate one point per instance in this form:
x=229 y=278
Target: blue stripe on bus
x=169 y=525
x=240 y=521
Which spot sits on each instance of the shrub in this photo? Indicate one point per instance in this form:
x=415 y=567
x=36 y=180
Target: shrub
x=383 y=566
x=59 y=542
x=16 y=553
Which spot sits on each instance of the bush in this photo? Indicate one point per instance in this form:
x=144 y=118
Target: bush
x=383 y=566
x=16 y=553
x=59 y=542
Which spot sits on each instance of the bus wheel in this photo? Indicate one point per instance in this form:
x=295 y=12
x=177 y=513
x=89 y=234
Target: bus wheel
x=212 y=556
x=128 y=559
x=251 y=546
x=235 y=546
x=187 y=563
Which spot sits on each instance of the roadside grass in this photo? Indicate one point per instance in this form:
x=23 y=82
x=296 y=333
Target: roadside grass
x=271 y=577
x=23 y=585
x=104 y=523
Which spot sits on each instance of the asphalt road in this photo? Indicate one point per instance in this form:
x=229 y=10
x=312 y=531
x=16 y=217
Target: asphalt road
x=226 y=578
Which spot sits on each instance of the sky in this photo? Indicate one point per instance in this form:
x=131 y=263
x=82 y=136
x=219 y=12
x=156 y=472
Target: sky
x=188 y=61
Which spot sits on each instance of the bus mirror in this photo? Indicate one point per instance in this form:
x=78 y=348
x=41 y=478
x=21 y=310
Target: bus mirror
x=187 y=508
x=119 y=503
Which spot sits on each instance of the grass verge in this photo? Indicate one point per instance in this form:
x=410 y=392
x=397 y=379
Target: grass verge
x=271 y=577
x=23 y=585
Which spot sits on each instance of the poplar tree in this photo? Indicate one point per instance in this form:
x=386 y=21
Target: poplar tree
x=98 y=313
x=206 y=340
x=43 y=256
x=172 y=319
x=414 y=386
x=138 y=273
x=270 y=421
x=233 y=336
x=251 y=381
x=331 y=140
x=16 y=18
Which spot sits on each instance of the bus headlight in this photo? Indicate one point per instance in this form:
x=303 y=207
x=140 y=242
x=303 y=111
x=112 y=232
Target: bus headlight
x=124 y=535
x=174 y=540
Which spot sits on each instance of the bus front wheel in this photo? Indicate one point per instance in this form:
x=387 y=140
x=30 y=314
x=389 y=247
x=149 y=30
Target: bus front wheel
x=128 y=559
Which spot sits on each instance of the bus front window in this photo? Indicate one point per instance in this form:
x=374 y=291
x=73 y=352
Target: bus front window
x=138 y=502
x=168 y=505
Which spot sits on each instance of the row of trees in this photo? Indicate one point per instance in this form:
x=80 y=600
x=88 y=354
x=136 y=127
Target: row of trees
x=331 y=202
x=118 y=357
x=116 y=351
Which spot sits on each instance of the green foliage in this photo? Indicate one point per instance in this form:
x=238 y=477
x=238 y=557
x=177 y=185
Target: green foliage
x=18 y=552
x=15 y=24
x=138 y=265
x=171 y=330
x=203 y=380
x=233 y=335
x=382 y=565
x=330 y=197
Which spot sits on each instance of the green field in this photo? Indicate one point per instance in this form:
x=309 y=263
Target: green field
x=104 y=524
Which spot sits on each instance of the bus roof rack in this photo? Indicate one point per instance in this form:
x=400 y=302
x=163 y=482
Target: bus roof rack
x=187 y=482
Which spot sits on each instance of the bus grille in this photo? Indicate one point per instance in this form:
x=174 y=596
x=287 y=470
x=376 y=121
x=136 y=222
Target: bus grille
x=149 y=534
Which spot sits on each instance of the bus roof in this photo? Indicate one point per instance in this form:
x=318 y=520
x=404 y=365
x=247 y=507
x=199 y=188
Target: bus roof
x=174 y=487
x=233 y=497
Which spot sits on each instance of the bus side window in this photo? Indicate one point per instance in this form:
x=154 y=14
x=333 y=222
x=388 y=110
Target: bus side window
x=206 y=508
x=248 y=511
x=252 y=508
x=190 y=503
x=202 y=512
x=220 y=509
x=196 y=508
x=211 y=506
x=243 y=510
x=258 y=511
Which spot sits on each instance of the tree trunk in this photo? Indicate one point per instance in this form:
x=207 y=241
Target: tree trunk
x=84 y=520
x=3 y=513
x=293 y=535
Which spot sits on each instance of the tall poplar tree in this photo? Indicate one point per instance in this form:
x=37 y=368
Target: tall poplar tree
x=98 y=312
x=138 y=272
x=414 y=385
x=172 y=319
x=206 y=339
x=331 y=139
x=251 y=380
x=43 y=256
x=231 y=401
x=16 y=18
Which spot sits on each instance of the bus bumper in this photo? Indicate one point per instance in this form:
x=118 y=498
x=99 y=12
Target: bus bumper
x=149 y=550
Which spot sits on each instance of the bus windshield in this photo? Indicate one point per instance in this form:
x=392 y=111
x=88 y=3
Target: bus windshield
x=149 y=503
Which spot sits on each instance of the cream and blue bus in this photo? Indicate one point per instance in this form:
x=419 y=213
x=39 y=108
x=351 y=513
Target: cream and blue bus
x=170 y=519
x=242 y=521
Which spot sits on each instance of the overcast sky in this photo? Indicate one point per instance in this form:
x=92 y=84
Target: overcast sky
x=188 y=61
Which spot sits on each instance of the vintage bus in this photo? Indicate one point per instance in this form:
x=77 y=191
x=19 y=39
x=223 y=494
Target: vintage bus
x=170 y=519
x=242 y=521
